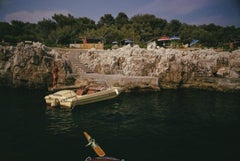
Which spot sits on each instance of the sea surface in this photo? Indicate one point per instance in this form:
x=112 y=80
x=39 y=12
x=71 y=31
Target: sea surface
x=169 y=125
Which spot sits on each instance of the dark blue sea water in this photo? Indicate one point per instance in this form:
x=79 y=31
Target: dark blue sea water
x=170 y=125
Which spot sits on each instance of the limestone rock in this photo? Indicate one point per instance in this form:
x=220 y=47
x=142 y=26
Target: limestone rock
x=174 y=68
x=28 y=65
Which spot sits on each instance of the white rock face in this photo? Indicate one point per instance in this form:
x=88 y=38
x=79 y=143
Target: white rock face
x=29 y=66
x=172 y=67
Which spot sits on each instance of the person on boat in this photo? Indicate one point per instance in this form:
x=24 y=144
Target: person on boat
x=55 y=75
x=85 y=90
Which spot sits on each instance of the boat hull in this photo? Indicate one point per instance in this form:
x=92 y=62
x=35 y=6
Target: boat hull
x=77 y=100
x=96 y=97
x=103 y=159
x=56 y=103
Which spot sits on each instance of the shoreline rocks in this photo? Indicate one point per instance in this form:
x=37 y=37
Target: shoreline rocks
x=130 y=67
x=203 y=68
x=28 y=66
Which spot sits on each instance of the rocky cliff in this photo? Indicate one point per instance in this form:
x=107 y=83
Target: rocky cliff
x=199 y=68
x=29 y=65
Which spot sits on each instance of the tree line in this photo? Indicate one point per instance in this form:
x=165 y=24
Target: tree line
x=61 y=30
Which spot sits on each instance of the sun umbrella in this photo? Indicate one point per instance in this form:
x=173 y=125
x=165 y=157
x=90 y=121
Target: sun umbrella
x=163 y=38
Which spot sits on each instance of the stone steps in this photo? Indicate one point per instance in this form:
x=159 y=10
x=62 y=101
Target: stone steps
x=77 y=66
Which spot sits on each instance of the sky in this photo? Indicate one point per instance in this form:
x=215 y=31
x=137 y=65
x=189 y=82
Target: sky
x=193 y=12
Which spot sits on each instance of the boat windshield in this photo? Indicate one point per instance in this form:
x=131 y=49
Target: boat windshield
x=65 y=93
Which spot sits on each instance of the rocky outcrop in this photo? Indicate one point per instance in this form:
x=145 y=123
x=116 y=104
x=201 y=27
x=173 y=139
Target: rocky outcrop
x=29 y=65
x=204 y=69
x=130 y=67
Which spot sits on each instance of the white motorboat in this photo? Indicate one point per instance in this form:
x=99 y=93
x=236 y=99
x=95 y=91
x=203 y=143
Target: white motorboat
x=73 y=98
